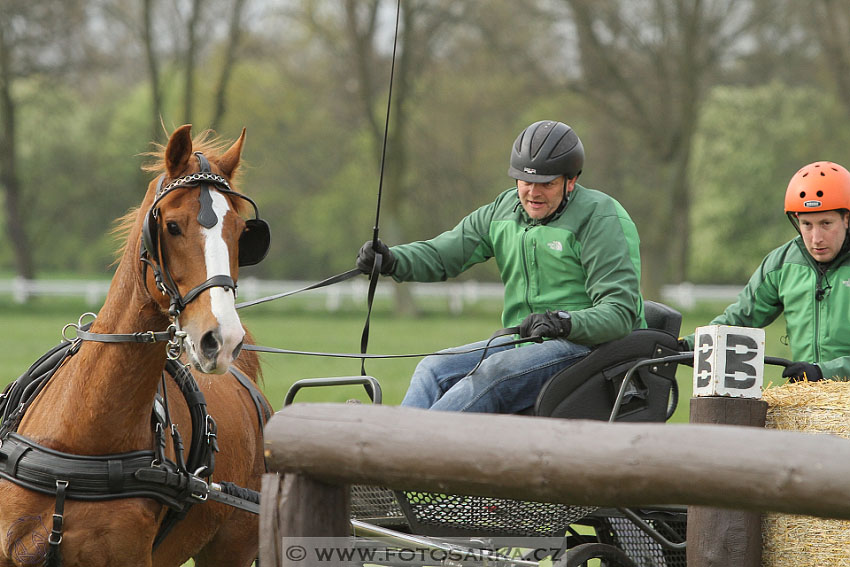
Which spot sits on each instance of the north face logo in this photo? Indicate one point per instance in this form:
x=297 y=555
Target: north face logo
x=555 y=245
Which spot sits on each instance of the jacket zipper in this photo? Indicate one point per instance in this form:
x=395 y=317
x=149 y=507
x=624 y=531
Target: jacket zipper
x=525 y=269
x=820 y=277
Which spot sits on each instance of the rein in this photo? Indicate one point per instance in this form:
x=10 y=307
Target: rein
x=497 y=334
x=173 y=335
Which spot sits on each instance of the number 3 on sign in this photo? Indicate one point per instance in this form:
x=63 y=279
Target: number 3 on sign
x=728 y=361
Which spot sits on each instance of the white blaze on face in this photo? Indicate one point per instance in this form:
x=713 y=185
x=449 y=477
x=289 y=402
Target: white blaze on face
x=222 y=301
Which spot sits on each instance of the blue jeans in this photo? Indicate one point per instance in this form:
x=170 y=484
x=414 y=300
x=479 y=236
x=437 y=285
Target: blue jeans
x=508 y=380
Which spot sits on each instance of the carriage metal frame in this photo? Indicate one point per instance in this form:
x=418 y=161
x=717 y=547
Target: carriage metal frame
x=628 y=380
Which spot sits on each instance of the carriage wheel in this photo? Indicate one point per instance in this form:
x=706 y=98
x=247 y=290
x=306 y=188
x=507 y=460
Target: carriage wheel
x=581 y=554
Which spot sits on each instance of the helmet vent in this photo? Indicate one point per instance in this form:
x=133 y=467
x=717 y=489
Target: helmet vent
x=802 y=194
x=805 y=174
x=820 y=193
x=822 y=174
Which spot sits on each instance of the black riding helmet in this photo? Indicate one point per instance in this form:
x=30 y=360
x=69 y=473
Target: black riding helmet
x=545 y=150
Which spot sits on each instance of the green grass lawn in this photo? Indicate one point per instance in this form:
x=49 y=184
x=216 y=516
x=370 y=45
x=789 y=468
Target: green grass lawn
x=32 y=329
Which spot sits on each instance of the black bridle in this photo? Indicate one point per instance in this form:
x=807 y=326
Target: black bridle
x=253 y=243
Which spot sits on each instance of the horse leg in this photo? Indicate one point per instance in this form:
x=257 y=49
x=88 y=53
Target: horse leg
x=235 y=543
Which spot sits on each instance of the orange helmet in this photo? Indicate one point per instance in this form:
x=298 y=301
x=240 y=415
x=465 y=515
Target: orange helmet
x=817 y=187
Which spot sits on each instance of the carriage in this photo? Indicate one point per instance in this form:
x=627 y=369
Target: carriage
x=632 y=379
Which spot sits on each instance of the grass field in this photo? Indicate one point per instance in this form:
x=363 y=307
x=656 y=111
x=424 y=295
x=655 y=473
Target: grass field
x=30 y=330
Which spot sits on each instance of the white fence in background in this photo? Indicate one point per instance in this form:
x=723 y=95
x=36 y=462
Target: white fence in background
x=456 y=294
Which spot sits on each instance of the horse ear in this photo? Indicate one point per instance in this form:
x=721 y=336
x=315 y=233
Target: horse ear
x=179 y=150
x=230 y=160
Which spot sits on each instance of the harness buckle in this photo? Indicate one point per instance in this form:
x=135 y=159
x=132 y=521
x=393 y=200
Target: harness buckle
x=175 y=344
x=65 y=330
x=199 y=489
x=50 y=535
x=211 y=433
x=54 y=538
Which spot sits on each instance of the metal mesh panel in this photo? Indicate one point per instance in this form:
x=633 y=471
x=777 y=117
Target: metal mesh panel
x=375 y=503
x=489 y=516
x=643 y=550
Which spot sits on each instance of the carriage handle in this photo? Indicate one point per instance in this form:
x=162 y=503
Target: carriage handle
x=373 y=388
x=683 y=357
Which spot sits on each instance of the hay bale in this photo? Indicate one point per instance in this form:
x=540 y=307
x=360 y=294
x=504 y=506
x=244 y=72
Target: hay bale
x=802 y=541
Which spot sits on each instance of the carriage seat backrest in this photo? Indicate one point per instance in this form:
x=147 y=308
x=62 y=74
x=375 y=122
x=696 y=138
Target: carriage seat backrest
x=663 y=317
x=588 y=388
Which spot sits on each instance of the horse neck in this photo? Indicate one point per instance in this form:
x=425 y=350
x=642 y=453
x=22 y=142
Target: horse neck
x=100 y=400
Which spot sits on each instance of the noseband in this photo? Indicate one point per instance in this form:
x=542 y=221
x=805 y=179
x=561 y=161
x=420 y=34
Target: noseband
x=253 y=243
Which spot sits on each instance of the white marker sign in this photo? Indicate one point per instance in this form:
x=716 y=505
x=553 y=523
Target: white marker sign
x=728 y=361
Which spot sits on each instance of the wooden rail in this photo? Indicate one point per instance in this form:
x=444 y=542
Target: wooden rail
x=564 y=461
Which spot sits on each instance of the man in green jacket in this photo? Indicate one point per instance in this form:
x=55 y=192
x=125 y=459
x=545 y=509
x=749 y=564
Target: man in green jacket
x=568 y=257
x=807 y=278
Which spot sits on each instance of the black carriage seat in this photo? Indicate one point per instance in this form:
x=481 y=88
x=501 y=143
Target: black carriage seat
x=588 y=388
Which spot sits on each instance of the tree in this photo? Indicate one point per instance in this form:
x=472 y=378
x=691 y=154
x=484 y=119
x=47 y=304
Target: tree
x=647 y=66
x=749 y=143
x=153 y=69
x=353 y=34
x=37 y=41
x=830 y=26
x=231 y=48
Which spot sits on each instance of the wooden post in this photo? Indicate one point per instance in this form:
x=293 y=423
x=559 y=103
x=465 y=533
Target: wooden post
x=269 y=552
x=728 y=374
x=722 y=537
x=301 y=516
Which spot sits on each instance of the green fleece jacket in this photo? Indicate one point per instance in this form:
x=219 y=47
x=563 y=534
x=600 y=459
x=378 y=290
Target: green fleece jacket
x=584 y=260
x=788 y=281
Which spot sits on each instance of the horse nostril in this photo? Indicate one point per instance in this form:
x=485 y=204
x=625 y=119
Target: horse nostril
x=237 y=350
x=210 y=344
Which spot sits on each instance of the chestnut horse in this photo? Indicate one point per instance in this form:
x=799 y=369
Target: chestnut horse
x=100 y=400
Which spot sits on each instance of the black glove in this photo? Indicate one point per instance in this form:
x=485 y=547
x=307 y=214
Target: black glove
x=552 y=324
x=797 y=370
x=366 y=258
x=683 y=346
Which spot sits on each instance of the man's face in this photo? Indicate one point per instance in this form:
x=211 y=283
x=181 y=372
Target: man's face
x=823 y=233
x=542 y=199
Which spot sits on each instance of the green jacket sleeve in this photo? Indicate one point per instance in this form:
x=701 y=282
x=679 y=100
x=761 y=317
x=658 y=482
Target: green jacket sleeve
x=836 y=369
x=448 y=254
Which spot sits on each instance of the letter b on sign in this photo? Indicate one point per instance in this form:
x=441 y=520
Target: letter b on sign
x=728 y=361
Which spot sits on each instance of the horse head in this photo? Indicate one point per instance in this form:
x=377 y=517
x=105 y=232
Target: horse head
x=192 y=244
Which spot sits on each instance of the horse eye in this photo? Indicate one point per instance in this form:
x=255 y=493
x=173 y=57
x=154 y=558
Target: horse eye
x=173 y=228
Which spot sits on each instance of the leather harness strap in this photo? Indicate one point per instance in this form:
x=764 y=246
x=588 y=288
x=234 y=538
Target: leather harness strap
x=96 y=478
